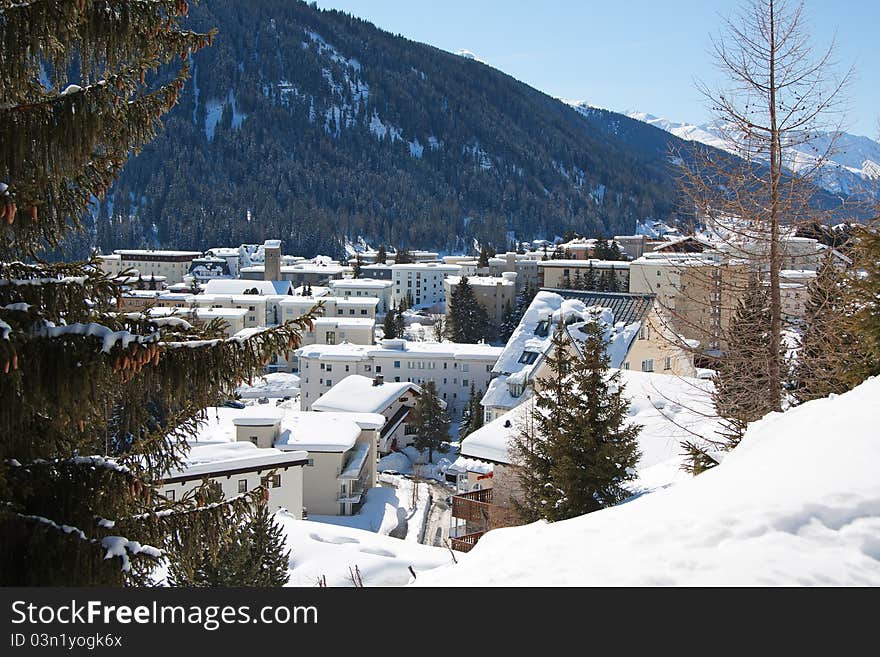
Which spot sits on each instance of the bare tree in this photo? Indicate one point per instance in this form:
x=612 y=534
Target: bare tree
x=779 y=96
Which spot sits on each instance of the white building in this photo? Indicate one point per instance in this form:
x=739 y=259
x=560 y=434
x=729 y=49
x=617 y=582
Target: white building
x=364 y=287
x=240 y=467
x=361 y=394
x=421 y=282
x=452 y=367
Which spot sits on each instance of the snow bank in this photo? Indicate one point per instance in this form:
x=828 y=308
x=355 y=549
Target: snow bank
x=319 y=549
x=797 y=503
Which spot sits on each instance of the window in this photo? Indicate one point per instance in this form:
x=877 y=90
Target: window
x=396 y=379
x=516 y=389
x=170 y=495
x=528 y=357
x=648 y=365
x=329 y=383
x=329 y=367
x=322 y=366
x=464 y=382
x=276 y=481
x=542 y=328
x=346 y=368
x=310 y=463
x=253 y=439
x=465 y=367
x=409 y=430
x=626 y=365
x=488 y=368
x=331 y=337
x=378 y=369
x=242 y=485
x=397 y=365
x=643 y=333
x=667 y=363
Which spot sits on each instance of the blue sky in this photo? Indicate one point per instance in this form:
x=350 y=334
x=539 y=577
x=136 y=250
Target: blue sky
x=624 y=54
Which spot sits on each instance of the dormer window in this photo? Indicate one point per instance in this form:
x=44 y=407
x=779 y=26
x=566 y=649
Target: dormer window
x=542 y=328
x=516 y=389
x=528 y=357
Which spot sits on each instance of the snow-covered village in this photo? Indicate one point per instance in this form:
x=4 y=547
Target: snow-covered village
x=266 y=321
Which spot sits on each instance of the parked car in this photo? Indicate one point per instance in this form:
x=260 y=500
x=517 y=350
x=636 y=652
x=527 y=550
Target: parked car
x=263 y=400
x=234 y=403
x=390 y=472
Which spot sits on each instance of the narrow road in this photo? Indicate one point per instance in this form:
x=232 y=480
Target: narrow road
x=439 y=515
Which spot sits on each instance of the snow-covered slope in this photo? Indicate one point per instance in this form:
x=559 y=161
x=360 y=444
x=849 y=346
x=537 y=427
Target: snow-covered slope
x=854 y=167
x=797 y=503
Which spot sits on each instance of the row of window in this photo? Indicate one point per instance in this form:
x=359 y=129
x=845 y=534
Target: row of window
x=274 y=482
x=648 y=364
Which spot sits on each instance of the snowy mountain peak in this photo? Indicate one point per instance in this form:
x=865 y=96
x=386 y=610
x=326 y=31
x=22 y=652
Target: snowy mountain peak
x=853 y=166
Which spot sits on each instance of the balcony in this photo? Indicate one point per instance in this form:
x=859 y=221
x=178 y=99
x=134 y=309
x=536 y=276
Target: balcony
x=467 y=542
x=474 y=506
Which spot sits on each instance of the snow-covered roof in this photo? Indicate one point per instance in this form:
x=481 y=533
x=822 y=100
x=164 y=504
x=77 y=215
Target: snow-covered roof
x=345 y=322
x=369 y=283
x=158 y=254
x=314 y=431
x=275 y=384
x=787 y=507
x=202 y=313
x=620 y=315
x=352 y=469
x=401 y=348
x=439 y=266
x=238 y=286
x=483 y=280
x=464 y=464
x=669 y=409
x=358 y=394
x=597 y=264
x=205 y=460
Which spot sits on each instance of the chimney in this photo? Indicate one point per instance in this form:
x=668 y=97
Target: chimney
x=378 y=380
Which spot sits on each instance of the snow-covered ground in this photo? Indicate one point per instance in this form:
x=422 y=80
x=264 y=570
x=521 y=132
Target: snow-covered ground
x=324 y=550
x=273 y=385
x=797 y=503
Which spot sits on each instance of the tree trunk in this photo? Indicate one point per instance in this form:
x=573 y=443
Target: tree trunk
x=775 y=256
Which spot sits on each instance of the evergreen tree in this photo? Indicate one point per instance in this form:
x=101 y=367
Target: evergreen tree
x=254 y=553
x=464 y=425
x=577 y=448
x=390 y=327
x=381 y=256
x=430 y=421
x=742 y=381
x=590 y=281
x=833 y=354
x=483 y=260
x=867 y=291
x=612 y=284
x=466 y=320
x=577 y=282
x=614 y=252
x=356 y=270
x=270 y=557
x=402 y=256
x=399 y=324
x=96 y=405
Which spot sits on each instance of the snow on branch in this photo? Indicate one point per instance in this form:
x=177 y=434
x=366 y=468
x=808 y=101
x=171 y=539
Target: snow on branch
x=91 y=461
x=109 y=337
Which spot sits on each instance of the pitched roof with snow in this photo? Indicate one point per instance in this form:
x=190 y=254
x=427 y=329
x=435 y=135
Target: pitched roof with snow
x=621 y=316
x=358 y=394
x=238 y=286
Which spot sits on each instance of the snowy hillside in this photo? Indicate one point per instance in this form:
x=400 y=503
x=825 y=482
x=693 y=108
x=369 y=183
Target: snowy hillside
x=797 y=503
x=855 y=165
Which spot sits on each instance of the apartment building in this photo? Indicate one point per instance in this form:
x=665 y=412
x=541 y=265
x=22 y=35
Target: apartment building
x=524 y=265
x=698 y=291
x=421 y=282
x=558 y=274
x=173 y=265
x=452 y=367
x=364 y=288
x=497 y=295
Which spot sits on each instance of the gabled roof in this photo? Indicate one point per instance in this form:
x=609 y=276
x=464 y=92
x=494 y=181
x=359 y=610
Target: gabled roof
x=358 y=394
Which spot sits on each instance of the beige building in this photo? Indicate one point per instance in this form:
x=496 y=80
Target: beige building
x=795 y=289
x=524 y=265
x=234 y=319
x=173 y=265
x=698 y=292
x=558 y=274
x=636 y=337
x=497 y=295
x=340 y=464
